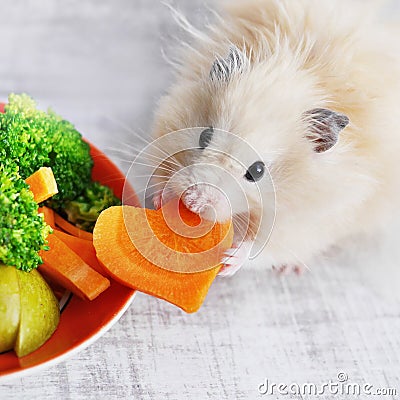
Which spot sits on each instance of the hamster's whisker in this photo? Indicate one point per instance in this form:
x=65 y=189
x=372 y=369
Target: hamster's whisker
x=157 y=162
x=141 y=151
x=150 y=176
x=240 y=222
x=154 y=167
x=167 y=157
x=116 y=150
x=172 y=166
x=132 y=149
x=151 y=157
x=123 y=160
x=154 y=147
x=244 y=224
x=243 y=219
x=149 y=187
x=152 y=164
x=165 y=192
x=171 y=189
x=240 y=225
x=164 y=161
x=127 y=128
x=239 y=218
x=165 y=168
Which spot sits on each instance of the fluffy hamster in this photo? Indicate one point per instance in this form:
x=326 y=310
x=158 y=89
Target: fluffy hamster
x=314 y=86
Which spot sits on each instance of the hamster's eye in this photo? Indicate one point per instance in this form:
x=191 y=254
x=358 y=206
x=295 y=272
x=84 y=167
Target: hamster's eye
x=205 y=137
x=255 y=172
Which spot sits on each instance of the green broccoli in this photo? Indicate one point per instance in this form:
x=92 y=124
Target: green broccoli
x=86 y=208
x=32 y=139
x=23 y=231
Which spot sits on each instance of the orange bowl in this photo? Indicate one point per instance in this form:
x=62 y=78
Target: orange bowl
x=82 y=322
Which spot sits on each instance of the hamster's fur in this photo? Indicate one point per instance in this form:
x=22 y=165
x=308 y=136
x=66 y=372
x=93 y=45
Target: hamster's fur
x=296 y=56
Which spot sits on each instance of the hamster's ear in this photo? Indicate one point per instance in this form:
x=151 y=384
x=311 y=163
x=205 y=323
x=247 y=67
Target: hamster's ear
x=223 y=68
x=324 y=127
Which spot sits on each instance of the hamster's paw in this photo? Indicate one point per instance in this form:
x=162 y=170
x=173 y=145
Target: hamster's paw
x=157 y=199
x=286 y=269
x=234 y=259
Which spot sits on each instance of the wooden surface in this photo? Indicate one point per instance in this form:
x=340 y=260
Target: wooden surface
x=99 y=64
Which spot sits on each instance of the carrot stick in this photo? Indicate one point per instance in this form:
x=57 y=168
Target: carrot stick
x=84 y=248
x=48 y=215
x=42 y=184
x=71 y=229
x=65 y=267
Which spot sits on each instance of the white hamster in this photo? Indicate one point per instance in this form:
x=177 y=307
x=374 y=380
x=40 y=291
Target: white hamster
x=314 y=87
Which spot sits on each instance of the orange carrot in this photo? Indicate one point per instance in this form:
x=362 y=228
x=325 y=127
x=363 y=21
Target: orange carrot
x=48 y=215
x=112 y=238
x=66 y=268
x=84 y=248
x=71 y=229
x=42 y=184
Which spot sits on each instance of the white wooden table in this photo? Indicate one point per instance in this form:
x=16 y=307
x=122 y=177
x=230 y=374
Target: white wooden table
x=99 y=64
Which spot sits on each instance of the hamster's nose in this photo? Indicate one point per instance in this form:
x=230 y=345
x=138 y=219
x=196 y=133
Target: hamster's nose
x=207 y=200
x=190 y=198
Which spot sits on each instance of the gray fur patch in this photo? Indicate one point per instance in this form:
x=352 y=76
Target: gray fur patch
x=223 y=68
x=324 y=127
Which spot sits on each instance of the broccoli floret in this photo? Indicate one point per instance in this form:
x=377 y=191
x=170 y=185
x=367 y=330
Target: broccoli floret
x=23 y=231
x=23 y=136
x=33 y=139
x=86 y=208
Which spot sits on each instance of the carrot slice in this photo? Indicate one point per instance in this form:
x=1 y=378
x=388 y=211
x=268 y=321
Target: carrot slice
x=48 y=215
x=118 y=227
x=65 y=267
x=71 y=229
x=84 y=248
x=42 y=184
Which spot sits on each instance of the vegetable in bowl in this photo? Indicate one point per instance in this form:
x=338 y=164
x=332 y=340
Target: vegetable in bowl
x=23 y=231
x=37 y=147
x=32 y=138
x=84 y=210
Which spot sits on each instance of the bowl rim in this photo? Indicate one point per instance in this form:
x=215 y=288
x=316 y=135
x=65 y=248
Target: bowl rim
x=22 y=372
x=114 y=176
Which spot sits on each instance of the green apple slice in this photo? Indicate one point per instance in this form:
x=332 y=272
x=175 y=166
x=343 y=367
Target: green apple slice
x=9 y=307
x=39 y=315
